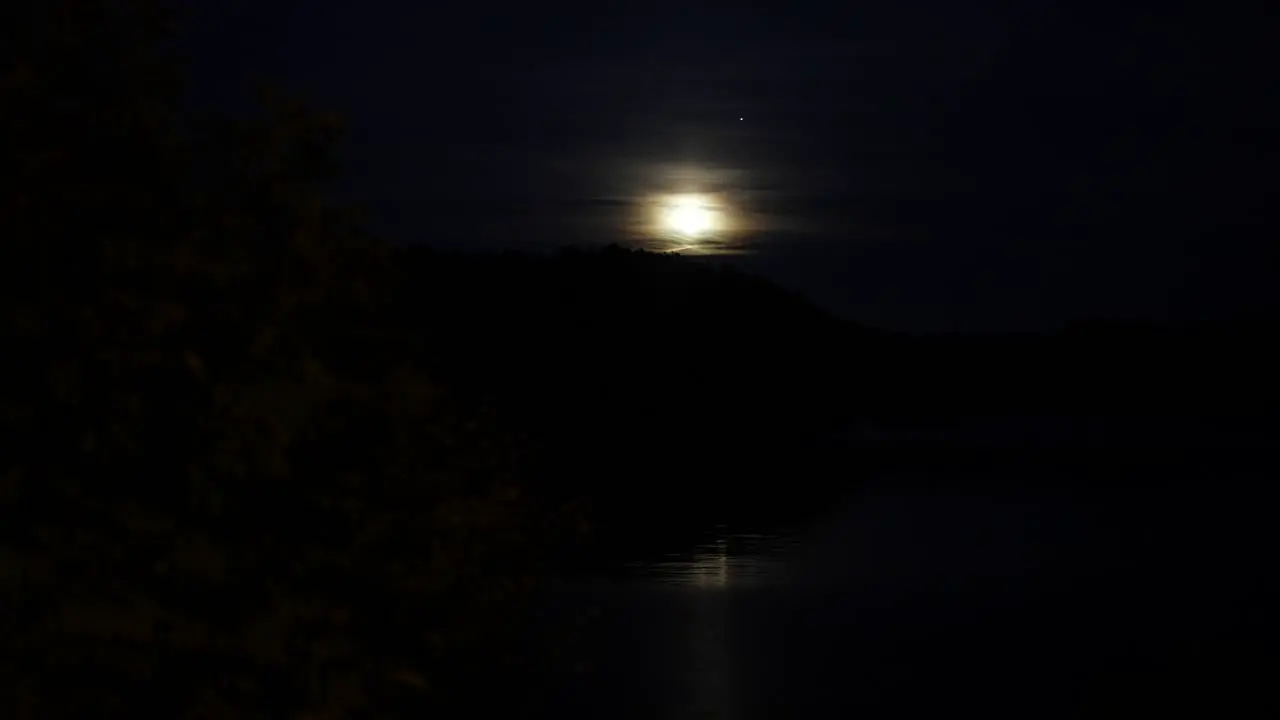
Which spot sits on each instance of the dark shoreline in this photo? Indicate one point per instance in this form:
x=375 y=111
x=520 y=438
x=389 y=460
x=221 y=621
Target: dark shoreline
x=784 y=495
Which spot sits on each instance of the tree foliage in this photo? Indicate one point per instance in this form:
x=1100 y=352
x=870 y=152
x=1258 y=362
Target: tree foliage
x=223 y=489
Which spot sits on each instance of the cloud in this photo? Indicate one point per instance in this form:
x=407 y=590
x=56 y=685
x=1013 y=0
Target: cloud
x=604 y=202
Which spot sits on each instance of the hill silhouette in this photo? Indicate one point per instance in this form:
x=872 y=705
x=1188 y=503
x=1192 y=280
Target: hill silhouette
x=637 y=374
x=661 y=388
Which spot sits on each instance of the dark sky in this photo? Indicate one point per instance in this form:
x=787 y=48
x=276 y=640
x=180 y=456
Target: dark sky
x=919 y=165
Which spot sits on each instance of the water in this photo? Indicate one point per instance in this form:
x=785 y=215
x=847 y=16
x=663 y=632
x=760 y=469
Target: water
x=915 y=594
x=730 y=558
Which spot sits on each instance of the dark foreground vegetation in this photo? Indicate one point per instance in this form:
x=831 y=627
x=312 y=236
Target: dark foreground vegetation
x=254 y=463
x=227 y=488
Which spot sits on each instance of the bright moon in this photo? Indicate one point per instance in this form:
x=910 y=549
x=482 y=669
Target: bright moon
x=689 y=216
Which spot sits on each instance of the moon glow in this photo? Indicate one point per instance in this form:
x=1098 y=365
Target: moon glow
x=689 y=216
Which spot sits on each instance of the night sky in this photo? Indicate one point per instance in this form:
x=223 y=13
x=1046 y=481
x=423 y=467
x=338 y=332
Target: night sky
x=931 y=165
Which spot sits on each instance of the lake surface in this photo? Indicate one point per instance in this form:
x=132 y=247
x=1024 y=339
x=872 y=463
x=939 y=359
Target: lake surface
x=920 y=592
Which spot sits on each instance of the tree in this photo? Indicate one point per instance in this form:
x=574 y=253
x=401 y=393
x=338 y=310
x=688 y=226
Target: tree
x=223 y=492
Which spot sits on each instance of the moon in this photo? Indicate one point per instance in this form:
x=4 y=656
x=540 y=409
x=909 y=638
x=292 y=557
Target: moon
x=689 y=216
